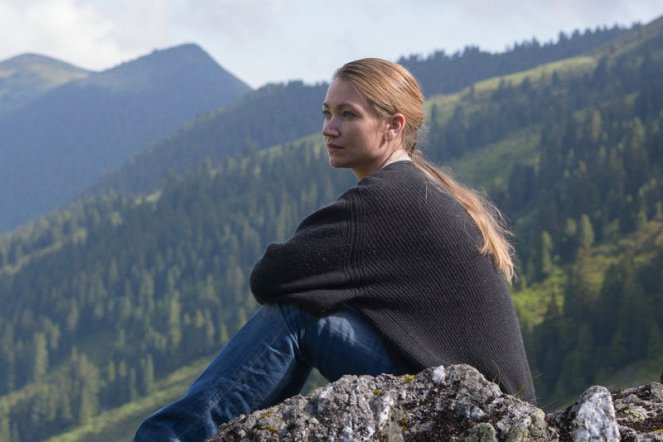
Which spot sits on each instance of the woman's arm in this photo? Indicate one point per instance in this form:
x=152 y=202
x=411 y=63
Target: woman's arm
x=313 y=263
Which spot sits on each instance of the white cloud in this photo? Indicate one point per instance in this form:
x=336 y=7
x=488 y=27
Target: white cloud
x=239 y=21
x=59 y=28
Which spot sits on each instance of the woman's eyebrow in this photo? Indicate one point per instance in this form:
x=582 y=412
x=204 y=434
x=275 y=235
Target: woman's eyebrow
x=339 y=106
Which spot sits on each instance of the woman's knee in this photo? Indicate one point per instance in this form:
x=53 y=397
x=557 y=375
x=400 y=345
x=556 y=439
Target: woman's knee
x=344 y=342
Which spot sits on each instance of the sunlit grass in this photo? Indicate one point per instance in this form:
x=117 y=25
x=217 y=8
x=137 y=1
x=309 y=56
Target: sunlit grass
x=490 y=167
x=563 y=68
x=120 y=423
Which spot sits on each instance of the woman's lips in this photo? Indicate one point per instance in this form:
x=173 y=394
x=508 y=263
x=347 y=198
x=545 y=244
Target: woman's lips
x=332 y=146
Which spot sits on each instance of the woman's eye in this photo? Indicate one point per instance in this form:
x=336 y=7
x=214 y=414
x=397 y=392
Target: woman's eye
x=326 y=114
x=348 y=114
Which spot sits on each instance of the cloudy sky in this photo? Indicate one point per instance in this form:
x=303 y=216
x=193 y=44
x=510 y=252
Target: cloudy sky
x=264 y=41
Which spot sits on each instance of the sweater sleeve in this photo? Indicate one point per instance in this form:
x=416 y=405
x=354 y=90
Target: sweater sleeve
x=311 y=267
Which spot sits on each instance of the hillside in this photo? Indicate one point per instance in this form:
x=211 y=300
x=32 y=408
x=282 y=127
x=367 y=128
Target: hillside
x=274 y=114
x=441 y=73
x=25 y=77
x=104 y=301
x=271 y=115
x=61 y=142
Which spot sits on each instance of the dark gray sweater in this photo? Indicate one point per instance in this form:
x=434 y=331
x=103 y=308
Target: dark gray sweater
x=404 y=253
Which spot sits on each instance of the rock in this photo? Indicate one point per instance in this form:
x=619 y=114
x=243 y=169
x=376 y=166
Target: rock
x=454 y=403
x=640 y=412
x=590 y=418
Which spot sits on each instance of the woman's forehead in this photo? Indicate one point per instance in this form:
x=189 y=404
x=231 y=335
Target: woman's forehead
x=341 y=92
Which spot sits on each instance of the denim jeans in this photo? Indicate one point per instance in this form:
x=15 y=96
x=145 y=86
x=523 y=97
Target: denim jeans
x=267 y=361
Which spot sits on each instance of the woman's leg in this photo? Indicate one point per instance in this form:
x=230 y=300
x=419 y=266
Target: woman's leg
x=267 y=361
x=341 y=343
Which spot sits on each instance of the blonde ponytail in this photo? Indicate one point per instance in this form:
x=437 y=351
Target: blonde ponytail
x=485 y=215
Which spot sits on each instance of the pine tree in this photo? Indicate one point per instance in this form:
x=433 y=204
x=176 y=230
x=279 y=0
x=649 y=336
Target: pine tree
x=87 y=384
x=585 y=232
x=5 y=423
x=147 y=373
x=40 y=356
x=174 y=325
x=546 y=261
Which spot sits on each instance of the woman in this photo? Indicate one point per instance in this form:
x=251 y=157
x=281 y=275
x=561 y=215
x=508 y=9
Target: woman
x=406 y=270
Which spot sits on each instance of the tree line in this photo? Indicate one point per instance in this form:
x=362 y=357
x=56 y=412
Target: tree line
x=442 y=73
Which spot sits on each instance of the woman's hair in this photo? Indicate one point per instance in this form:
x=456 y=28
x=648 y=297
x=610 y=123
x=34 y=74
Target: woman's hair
x=391 y=89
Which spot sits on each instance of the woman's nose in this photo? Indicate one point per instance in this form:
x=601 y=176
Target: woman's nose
x=329 y=129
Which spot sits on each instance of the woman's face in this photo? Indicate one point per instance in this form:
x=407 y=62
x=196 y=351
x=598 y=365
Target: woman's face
x=354 y=134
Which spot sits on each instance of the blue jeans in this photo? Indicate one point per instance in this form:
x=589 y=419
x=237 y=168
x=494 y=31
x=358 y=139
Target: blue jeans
x=267 y=361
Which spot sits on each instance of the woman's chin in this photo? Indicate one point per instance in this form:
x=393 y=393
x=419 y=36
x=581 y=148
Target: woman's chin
x=337 y=163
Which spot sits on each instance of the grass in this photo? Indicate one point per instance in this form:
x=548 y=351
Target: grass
x=445 y=105
x=120 y=423
x=532 y=302
x=490 y=167
x=570 y=66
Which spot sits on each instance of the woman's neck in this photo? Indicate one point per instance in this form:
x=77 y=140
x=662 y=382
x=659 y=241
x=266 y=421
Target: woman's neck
x=397 y=155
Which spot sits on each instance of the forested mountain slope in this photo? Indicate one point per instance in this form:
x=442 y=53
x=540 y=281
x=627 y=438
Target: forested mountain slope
x=103 y=300
x=279 y=113
x=440 y=73
x=64 y=140
x=271 y=115
x=134 y=291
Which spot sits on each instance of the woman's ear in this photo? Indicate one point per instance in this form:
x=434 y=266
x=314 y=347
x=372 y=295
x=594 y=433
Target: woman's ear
x=395 y=127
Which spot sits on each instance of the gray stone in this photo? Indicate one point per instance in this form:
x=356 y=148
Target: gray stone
x=454 y=403
x=640 y=412
x=591 y=418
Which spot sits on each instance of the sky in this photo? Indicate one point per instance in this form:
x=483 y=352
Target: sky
x=262 y=41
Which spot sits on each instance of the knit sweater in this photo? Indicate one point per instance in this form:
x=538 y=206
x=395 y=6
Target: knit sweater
x=405 y=253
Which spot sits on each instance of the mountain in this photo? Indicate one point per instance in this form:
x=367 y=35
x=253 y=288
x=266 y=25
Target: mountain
x=271 y=115
x=26 y=77
x=61 y=142
x=109 y=305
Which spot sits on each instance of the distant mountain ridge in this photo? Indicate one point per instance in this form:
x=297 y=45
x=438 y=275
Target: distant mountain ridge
x=26 y=77
x=64 y=140
x=273 y=114
x=277 y=113
x=441 y=73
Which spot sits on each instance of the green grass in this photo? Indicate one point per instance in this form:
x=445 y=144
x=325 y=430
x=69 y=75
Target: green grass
x=569 y=67
x=445 y=105
x=120 y=423
x=563 y=68
x=489 y=167
x=531 y=302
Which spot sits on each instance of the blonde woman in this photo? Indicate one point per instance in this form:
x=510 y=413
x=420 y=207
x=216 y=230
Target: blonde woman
x=406 y=270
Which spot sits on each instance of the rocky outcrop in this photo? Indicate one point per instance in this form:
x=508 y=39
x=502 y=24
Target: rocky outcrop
x=454 y=403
